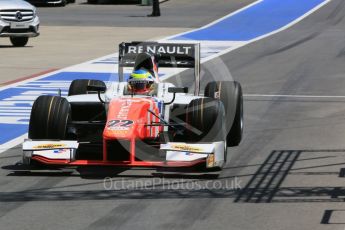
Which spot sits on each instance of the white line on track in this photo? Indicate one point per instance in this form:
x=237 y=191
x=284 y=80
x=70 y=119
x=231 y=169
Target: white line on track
x=10 y=144
x=294 y=96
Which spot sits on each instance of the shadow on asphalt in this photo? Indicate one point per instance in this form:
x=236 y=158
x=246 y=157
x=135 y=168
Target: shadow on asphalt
x=13 y=47
x=265 y=184
x=329 y=214
x=263 y=187
x=101 y=172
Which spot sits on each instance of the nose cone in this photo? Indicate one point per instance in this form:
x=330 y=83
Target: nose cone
x=120 y=129
x=128 y=118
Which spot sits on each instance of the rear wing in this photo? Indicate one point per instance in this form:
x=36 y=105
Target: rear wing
x=168 y=55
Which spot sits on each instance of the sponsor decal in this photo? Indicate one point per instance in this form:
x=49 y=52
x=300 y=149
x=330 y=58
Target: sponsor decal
x=49 y=146
x=217 y=95
x=125 y=107
x=210 y=161
x=176 y=49
x=58 y=151
x=185 y=147
x=120 y=124
x=120 y=132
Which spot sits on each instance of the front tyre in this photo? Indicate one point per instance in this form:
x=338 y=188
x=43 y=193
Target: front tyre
x=205 y=123
x=49 y=118
x=19 y=41
x=205 y=118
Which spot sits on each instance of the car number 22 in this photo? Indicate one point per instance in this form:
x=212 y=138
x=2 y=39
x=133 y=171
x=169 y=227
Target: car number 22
x=120 y=124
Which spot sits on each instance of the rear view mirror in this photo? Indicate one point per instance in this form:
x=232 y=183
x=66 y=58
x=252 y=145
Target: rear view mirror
x=99 y=89
x=178 y=89
x=96 y=88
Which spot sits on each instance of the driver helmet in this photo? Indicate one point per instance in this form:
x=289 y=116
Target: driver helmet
x=141 y=81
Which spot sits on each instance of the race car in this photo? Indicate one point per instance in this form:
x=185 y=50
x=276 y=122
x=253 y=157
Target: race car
x=105 y=124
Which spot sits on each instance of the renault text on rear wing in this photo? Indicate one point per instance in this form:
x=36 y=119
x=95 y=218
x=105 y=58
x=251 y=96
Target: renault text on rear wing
x=169 y=55
x=173 y=55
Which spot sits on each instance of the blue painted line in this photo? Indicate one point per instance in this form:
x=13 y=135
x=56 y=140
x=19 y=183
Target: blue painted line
x=14 y=130
x=253 y=22
x=10 y=132
x=70 y=76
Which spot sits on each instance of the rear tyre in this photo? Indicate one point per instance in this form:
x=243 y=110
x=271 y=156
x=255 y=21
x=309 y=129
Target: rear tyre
x=49 y=118
x=79 y=86
x=19 y=41
x=236 y=131
x=230 y=93
x=92 y=1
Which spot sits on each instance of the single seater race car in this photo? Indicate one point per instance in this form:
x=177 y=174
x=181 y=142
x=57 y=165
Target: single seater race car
x=106 y=124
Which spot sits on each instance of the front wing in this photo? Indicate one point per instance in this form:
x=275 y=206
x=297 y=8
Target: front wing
x=176 y=154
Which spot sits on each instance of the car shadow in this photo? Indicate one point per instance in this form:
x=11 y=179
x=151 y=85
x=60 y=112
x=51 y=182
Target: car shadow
x=264 y=186
x=101 y=172
x=13 y=47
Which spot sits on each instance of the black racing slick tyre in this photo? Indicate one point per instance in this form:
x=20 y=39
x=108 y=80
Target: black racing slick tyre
x=230 y=93
x=49 y=118
x=204 y=120
x=79 y=86
x=19 y=41
x=92 y=1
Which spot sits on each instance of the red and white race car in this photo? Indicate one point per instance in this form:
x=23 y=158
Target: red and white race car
x=104 y=124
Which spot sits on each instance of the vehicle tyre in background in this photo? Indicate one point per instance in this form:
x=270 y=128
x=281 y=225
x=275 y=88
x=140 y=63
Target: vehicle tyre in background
x=63 y=3
x=92 y=1
x=49 y=118
x=230 y=93
x=79 y=86
x=19 y=41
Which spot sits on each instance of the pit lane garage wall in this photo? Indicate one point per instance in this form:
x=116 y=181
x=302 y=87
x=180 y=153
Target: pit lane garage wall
x=256 y=21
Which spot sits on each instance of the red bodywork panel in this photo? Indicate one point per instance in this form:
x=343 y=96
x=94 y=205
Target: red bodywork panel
x=128 y=117
x=127 y=120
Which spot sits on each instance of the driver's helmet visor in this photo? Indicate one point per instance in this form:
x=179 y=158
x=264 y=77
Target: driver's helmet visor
x=140 y=80
x=140 y=85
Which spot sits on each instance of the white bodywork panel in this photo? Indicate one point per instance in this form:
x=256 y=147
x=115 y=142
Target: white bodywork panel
x=50 y=149
x=118 y=90
x=179 y=151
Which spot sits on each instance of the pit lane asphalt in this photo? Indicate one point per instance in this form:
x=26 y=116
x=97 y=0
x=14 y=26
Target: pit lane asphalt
x=84 y=32
x=175 y=13
x=289 y=163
